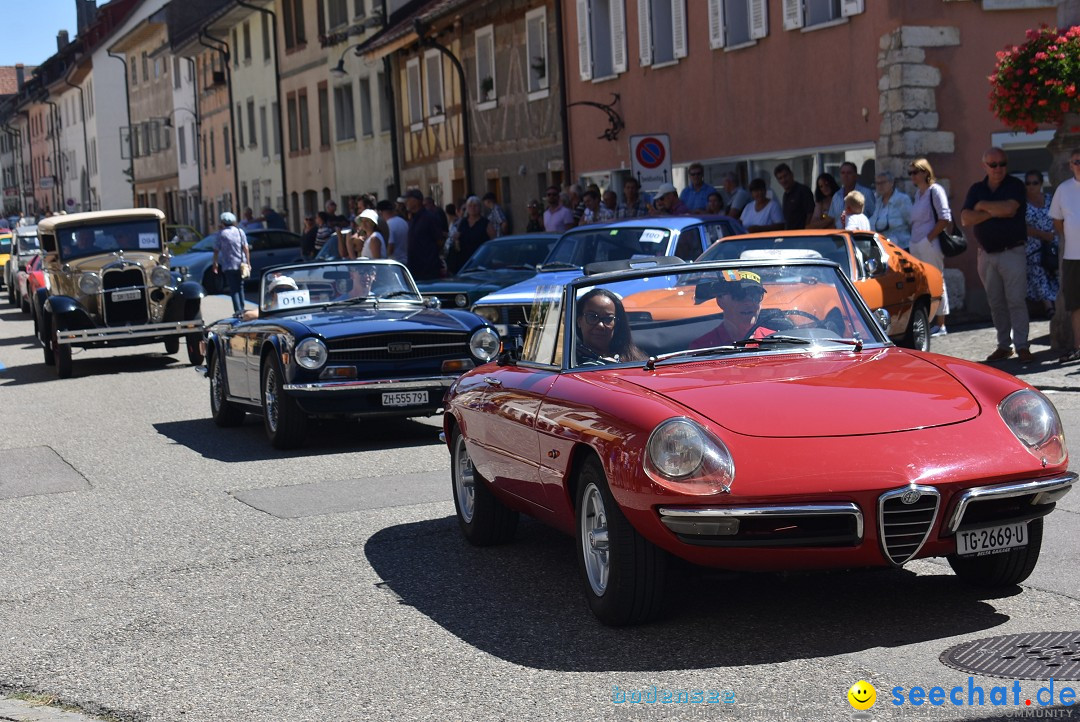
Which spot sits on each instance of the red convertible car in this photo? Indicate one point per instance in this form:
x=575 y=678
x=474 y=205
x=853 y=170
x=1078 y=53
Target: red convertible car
x=748 y=435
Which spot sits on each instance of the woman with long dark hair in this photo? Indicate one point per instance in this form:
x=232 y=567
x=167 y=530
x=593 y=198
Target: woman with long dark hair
x=604 y=330
x=824 y=190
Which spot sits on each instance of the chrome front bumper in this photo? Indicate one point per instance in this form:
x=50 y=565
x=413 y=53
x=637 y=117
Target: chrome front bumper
x=724 y=521
x=1046 y=491
x=375 y=384
x=120 y=333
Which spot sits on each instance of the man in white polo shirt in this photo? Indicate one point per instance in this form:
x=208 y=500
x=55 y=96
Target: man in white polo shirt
x=1065 y=210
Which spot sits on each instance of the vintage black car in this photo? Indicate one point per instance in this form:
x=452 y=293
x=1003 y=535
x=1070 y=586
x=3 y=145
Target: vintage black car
x=108 y=283
x=495 y=264
x=339 y=339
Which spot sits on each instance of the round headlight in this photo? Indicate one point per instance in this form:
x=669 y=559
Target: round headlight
x=685 y=457
x=311 y=353
x=488 y=313
x=461 y=300
x=676 y=448
x=90 y=283
x=160 y=276
x=1034 y=421
x=484 y=344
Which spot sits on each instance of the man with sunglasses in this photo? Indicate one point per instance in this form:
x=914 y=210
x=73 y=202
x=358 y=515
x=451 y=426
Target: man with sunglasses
x=1065 y=211
x=739 y=294
x=995 y=210
x=361 y=279
x=557 y=217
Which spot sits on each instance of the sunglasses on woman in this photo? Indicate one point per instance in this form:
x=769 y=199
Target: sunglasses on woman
x=592 y=318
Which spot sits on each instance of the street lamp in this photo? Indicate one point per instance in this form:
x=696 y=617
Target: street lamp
x=167 y=121
x=375 y=21
x=338 y=71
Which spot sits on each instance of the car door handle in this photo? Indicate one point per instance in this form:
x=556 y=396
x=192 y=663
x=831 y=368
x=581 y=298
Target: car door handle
x=492 y=381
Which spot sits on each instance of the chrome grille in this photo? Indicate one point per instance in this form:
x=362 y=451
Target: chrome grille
x=124 y=313
x=392 y=347
x=904 y=522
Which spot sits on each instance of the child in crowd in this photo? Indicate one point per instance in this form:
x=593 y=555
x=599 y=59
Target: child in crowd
x=854 y=218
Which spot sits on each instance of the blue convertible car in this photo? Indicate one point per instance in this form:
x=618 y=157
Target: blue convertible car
x=339 y=339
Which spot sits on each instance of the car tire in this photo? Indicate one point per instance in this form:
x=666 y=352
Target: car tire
x=623 y=573
x=24 y=303
x=194 y=344
x=484 y=520
x=917 y=335
x=11 y=294
x=46 y=345
x=172 y=345
x=224 y=412
x=1006 y=569
x=285 y=422
x=62 y=354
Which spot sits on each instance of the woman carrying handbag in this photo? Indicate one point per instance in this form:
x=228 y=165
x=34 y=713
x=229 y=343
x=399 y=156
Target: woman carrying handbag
x=930 y=215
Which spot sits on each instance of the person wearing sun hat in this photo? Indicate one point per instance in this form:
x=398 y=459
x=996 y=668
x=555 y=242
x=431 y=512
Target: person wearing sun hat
x=231 y=247
x=667 y=201
x=739 y=294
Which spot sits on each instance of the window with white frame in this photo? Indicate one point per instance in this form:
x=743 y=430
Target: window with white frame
x=412 y=77
x=661 y=31
x=433 y=70
x=366 y=127
x=536 y=49
x=485 y=64
x=737 y=22
x=344 y=118
x=601 y=30
x=808 y=13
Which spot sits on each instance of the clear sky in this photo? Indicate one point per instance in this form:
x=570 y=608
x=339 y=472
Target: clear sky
x=30 y=28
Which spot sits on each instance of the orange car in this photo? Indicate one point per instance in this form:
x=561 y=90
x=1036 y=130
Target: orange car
x=885 y=275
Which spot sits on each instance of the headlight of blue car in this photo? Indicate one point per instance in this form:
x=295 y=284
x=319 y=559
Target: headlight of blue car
x=311 y=353
x=484 y=344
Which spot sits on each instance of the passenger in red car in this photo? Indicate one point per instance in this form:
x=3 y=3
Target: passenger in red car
x=604 y=330
x=740 y=294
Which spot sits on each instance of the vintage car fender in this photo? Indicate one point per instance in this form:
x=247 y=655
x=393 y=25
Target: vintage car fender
x=185 y=292
x=66 y=312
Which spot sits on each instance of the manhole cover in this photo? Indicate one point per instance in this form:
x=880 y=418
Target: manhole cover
x=1035 y=655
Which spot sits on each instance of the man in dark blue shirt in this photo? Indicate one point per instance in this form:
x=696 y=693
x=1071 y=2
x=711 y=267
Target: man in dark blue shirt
x=425 y=238
x=995 y=209
x=273 y=219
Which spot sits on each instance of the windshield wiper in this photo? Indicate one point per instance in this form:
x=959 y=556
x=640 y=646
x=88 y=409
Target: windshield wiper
x=394 y=294
x=558 y=264
x=750 y=343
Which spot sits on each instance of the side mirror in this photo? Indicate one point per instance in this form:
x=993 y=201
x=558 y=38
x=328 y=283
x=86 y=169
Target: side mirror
x=432 y=302
x=510 y=352
x=872 y=267
x=883 y=319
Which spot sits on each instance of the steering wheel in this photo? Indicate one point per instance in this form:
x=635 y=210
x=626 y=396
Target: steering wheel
x=785 y=317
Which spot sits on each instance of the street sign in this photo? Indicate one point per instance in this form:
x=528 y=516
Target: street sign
x=45 y=182
x=650 y=159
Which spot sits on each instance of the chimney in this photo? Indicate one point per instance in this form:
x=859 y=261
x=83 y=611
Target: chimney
x=20 y=75
x=85 y=12
x=62 y=40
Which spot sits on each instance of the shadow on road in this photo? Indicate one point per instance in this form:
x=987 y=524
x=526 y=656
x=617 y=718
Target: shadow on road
x=522 y=603
x=83 y=366
x=248 y=442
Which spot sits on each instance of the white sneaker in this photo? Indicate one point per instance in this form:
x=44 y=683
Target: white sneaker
x=938 y=331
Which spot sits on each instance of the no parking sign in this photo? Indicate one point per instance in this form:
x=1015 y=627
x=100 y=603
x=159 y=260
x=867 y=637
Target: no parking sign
x=650 y=159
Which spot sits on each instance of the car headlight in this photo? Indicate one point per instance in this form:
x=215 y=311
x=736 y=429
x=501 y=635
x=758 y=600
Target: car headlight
x=90 y=283
x=311 y=353
x=160 y=276
x=685 y=457
x=461 y=300
x=484 y=344
x=488 y=313
x=1035 y=422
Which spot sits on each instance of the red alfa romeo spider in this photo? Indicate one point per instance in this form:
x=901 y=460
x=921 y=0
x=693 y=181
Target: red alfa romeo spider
x=750 y=434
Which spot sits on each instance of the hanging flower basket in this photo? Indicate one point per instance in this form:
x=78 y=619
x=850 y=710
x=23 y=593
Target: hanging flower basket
x=1037 y=82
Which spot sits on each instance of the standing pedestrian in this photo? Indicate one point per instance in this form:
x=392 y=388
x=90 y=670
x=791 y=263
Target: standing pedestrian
x=557 y=217
x=696 y=195
x=798 y=202
x=930 y=215
x=849 y=177
x=1042 y=282
x=632 y=205
x=1065 y=211
x=995 y=209
x=397 y=242
x=230 y=252
x=535 y=223
x=249 y=223
x=892 y=218
x=273 y=219
x=595 y=211
x=736 y=197
x=307 y=247
x=471 y=232
x=374 y=245
x=424 y=238
x=499 y=223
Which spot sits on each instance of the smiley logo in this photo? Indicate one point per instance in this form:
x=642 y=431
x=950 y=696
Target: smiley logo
x=862 y=695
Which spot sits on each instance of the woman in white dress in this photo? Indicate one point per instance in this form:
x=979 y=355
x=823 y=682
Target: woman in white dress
x=374 y=243
x=930 y=215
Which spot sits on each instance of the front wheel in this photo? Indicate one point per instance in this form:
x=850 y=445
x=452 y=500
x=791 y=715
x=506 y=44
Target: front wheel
x=1005 y=569
x=194 y=344
x=224 y=412
x=172 y=345
x=285 y=422
x=484 y=520
x=623 y=572
x=62 y=354
x=917 y=335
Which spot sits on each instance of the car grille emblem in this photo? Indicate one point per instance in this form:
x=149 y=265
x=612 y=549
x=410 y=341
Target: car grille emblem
x=911 y=496
x=399 y=347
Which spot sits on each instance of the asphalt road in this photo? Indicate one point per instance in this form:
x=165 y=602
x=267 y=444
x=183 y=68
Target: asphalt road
x=155 y=567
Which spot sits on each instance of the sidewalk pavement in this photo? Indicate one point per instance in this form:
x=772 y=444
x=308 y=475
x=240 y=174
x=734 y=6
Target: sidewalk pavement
x=17 y=710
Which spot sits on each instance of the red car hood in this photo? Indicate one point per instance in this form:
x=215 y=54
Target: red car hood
x=835 y=394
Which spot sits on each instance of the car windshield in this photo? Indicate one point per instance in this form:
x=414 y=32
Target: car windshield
x=722 y=309
x=516 y=253
x=5 y=244
x=344 y=282
x=831 y=247
x=137 y=235
x=206 y=244
x=577 y=249
x=28 y=244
